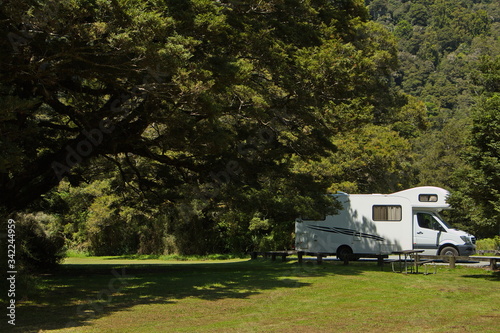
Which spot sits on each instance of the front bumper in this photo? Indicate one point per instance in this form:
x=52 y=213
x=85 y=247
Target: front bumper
x=466 y=249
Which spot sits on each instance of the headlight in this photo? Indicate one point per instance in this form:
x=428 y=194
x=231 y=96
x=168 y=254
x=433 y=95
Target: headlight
x=466 y=239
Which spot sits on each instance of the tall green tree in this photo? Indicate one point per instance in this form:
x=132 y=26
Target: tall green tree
x=195 y=107
x=177 y=82
x=478 y=184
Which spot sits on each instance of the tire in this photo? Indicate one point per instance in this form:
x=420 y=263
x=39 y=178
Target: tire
x=448 y=251
x=345 y=253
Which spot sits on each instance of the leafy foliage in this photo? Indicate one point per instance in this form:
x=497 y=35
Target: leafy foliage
x=39 y=244
x=478 y=191
x=177 y=124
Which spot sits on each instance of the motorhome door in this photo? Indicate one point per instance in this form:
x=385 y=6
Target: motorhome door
x=427 y=231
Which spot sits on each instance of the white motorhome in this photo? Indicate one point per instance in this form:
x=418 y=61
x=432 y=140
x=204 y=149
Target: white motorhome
x=379 y=224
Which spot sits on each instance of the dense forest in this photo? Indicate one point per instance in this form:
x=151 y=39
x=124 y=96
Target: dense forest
x=448 y=55
x=194 y=127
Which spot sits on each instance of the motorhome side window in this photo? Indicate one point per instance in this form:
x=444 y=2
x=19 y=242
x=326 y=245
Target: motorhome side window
x=428 y=198
x=387 y=213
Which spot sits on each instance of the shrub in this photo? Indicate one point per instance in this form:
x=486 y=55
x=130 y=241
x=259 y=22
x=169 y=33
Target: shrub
x=488 y=244
x=37 y=247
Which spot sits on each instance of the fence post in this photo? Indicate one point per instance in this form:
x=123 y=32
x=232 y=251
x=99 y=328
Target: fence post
x=452 y=261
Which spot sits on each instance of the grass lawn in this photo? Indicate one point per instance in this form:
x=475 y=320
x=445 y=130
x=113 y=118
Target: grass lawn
x=110 y=294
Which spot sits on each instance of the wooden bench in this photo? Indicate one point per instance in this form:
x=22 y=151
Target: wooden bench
x=426 y=263
x=493 y=260
x=396 y=261
x=272 y=254
x=320 y=255
x=285 y=254
x=451 y=260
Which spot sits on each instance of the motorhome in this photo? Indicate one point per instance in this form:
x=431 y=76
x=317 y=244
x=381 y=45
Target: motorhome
x=380 y=224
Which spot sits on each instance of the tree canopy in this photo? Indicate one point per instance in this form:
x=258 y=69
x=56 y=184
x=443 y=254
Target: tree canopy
x=180 y=83
x=184 y=108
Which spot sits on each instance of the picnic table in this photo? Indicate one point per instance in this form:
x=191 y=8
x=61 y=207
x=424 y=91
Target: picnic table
x=406 y=256
x=493 y=260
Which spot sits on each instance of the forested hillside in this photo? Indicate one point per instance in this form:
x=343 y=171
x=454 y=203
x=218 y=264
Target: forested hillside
x=448 y=55
x=202 y=126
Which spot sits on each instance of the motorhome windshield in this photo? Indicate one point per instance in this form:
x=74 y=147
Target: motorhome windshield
x=443 y=221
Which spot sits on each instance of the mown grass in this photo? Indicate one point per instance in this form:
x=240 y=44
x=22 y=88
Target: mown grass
x=113 y=294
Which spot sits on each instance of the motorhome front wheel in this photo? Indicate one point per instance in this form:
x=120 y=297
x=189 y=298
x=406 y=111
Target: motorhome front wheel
x=448 y=251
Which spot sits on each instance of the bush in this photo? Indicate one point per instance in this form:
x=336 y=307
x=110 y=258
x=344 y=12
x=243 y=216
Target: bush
x=488 y=244
x=37 y=247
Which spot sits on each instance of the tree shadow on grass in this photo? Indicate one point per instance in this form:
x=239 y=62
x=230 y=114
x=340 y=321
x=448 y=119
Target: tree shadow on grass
x=494 y=276
x=74 y=295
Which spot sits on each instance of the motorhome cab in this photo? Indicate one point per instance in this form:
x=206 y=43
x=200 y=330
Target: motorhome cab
x=377 y=224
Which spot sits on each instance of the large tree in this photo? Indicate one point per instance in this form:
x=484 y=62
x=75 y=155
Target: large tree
x=477 y=197
x=203 y=90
